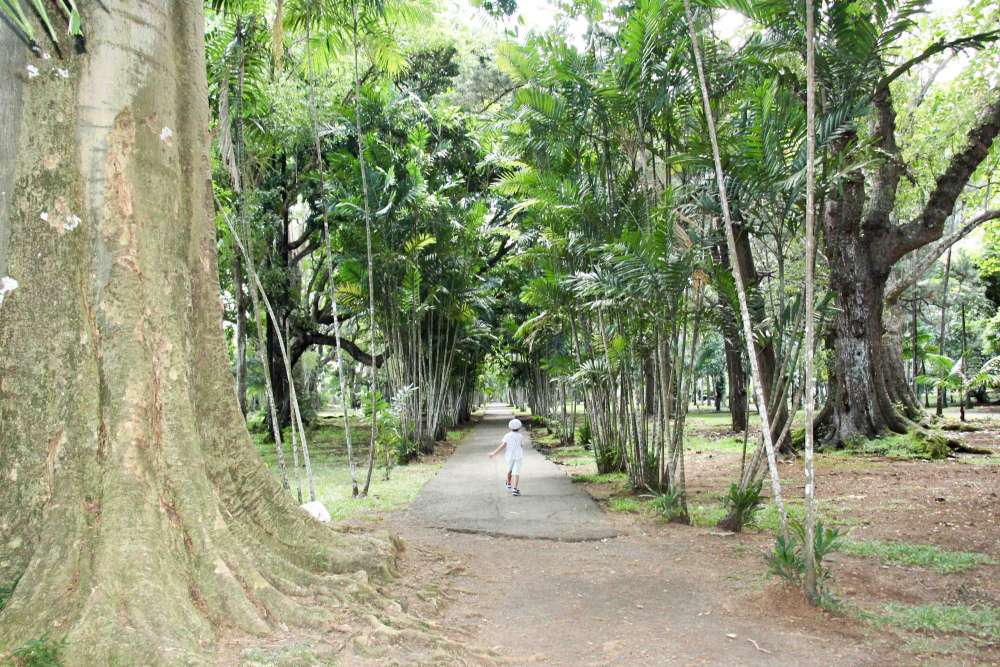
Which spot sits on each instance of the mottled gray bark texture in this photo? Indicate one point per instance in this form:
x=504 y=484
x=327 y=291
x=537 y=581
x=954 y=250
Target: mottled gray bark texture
x=13 y=55
x=868 y=393
x=135 y=515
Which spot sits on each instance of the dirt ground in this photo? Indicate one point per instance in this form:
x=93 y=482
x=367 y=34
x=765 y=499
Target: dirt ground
x=667 y=594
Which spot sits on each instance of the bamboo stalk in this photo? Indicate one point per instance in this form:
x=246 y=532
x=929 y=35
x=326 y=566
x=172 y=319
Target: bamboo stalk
x=809 y=581
x=762 y=407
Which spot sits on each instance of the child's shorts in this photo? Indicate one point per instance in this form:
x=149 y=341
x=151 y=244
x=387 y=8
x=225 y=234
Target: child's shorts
x=514 y=466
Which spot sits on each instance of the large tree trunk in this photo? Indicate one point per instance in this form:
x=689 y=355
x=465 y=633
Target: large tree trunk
x=764 y=349
x=858 y=405
x=863 y=245
x=136 y=518
x=735 y=372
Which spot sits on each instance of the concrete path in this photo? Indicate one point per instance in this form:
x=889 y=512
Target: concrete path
x=468 y=493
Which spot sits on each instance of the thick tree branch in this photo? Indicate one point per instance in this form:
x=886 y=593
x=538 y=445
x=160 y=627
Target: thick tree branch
x=887 y=177
x=971 y=42
x=925 y=88
x=505 y=247
x=925 y=262
x=349 y=346
x=503 y=93
x=929 y=225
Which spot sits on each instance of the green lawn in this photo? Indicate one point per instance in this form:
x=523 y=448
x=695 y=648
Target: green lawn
x=332 y=477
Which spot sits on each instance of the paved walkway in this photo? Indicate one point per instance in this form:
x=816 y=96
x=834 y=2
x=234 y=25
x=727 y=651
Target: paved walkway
x=468 y=494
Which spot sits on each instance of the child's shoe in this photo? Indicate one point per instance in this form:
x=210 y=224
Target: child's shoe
x=507 y=484
x=515 y=492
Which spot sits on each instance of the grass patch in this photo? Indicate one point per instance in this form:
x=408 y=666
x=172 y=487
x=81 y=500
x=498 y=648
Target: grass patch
x=932 y=645
x=333 y=488
x=325 y=440
x=713 y=419
x=614 y=478
x=912 y=445
x=706 y=516
x=625 y=504
x=975 y=620
x=571 y=456
x=732 y=443
x=332 y=477
x=920 y=555
x=979 y=459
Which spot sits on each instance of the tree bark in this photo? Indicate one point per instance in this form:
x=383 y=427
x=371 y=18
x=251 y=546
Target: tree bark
x=862 y=246
x=135 y=515
x=763 y=348
x=944 y=327
x=858 y=405
x=735 y=372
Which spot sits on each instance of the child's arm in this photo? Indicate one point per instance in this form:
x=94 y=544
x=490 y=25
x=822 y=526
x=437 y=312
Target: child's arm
x=498 y=449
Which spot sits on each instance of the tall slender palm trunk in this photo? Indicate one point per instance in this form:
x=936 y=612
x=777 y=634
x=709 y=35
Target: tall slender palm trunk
x=762 y=407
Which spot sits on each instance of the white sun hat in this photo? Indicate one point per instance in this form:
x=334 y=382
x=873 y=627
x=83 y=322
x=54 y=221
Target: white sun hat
x=514 y=425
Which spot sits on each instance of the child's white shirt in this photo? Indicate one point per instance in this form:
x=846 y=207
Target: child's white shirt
x=515 y=446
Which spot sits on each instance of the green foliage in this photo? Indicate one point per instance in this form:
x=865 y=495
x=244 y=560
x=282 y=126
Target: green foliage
x=787 y=559
x=16 y=17
x=42 y=652
x=743 y=505
x=919 y=555
x=585 y=433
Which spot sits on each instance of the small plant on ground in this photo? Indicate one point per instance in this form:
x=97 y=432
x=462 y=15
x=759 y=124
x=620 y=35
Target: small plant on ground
x=742 y=506
x=608 y=460
x=668 y=505
x=787 y=560
x=42 y=652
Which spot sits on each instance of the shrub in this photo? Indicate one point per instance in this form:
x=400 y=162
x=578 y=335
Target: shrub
x=668 y=505
x=585 y=433
x=405 y=451
x=608 y=460
x=787 y=560
x=742 y=505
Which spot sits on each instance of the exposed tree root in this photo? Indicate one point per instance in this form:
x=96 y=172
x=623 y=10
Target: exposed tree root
x=390 y=622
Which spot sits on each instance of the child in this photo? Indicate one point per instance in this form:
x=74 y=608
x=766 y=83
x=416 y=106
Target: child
x=513 y=442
